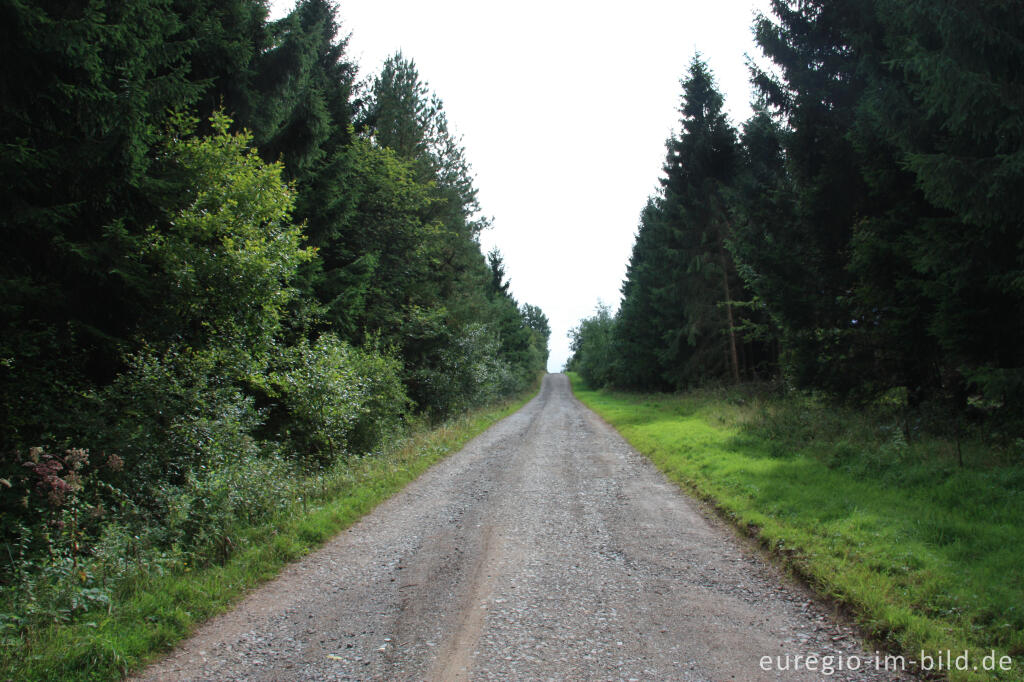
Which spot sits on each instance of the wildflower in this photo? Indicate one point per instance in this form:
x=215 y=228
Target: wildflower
x=76 y=458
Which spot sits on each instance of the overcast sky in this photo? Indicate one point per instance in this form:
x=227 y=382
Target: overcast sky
x=563 y=108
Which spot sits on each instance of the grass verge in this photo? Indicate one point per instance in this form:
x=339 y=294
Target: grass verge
x=155 y=610
x=925 y=553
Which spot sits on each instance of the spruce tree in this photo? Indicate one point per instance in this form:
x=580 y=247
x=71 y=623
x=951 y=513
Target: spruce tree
x=762 y=198
x=809 y=290
x=701 y=338
x=639 y=333
x=83 y=96
x=900 y=142
x=947 y=98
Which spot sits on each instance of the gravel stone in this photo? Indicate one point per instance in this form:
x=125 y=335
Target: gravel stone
x=547 y=549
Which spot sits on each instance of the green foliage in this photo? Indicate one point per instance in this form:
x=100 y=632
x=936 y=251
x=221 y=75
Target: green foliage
x=537 y=322
x=863 y=237
x=216 y=278
x=335 y=400
x=447 y=308
x=802 y=275
x=593 y=355
x=480 y=370
x=223 y=262
x=946 y=99
x=681 y=322
x=138 y=599
x=160 y=307
x=407 y=118
x=522 y=332
x=378 y=262
x=761 y=202
x=49 y=571
x=84 y=87
x=169 y=413
x=202 y=517
x=876 y=223
x=923 y=551
x=460 y=371
x=641 y=325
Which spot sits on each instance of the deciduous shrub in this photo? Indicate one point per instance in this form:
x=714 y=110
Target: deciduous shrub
x=333 y=399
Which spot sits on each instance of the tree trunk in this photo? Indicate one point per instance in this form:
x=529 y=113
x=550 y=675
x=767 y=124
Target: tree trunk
x=732 y=327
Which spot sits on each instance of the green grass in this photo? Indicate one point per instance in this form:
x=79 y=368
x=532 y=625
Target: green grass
x=152 y=612
x=926 y=555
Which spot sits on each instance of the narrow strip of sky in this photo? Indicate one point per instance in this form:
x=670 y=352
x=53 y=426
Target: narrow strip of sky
x=564 y=108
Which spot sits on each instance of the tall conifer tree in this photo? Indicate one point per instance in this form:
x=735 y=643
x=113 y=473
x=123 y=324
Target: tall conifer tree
x=947 y=98
x=640 y=324
x=701 y=339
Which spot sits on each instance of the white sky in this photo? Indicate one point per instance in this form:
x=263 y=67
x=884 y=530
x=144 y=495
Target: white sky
x=564 y=107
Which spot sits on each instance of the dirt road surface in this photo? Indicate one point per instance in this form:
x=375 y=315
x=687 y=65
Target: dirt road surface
x=546 y=549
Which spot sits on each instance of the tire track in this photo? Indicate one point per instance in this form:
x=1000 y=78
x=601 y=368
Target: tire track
x=546 y=549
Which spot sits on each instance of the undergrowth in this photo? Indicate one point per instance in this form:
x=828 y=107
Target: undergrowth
x=101 y=614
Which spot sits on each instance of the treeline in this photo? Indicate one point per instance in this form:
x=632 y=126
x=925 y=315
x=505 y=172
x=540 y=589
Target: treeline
x=226 y=261
x=860 y=235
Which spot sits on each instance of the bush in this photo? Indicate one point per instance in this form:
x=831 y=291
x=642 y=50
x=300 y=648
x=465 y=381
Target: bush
x=467 y=370
x=172 y=412
x=219 y=268
x=384 y=402
x=334 y=400
x=474 y=364
x=592 y=347
x=203 y=514
x=60 y=502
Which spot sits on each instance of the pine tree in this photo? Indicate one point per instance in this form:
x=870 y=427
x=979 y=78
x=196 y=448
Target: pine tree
x=900 y=150
x=762 y=197
x=809 y=292
x=83 y=96
x=701 y=164
x=640 y=330
x=947 y=98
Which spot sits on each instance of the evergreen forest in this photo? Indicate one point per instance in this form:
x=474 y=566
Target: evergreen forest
x=239 y=276
x=821 y=325
x=860 y=236
x=233 y=269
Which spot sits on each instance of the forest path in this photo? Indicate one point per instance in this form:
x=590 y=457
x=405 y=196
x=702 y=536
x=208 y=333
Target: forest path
x=546 y=549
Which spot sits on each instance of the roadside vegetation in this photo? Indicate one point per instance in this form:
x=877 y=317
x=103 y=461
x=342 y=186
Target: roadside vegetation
x=137 y=601
x=918 y=536
x=849 y=261
x=236 y=277
x=860 y=235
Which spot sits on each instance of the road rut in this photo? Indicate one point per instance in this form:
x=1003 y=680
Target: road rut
x=546 y=549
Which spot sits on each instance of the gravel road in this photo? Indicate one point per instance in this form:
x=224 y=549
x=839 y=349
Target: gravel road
x=546 y=549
